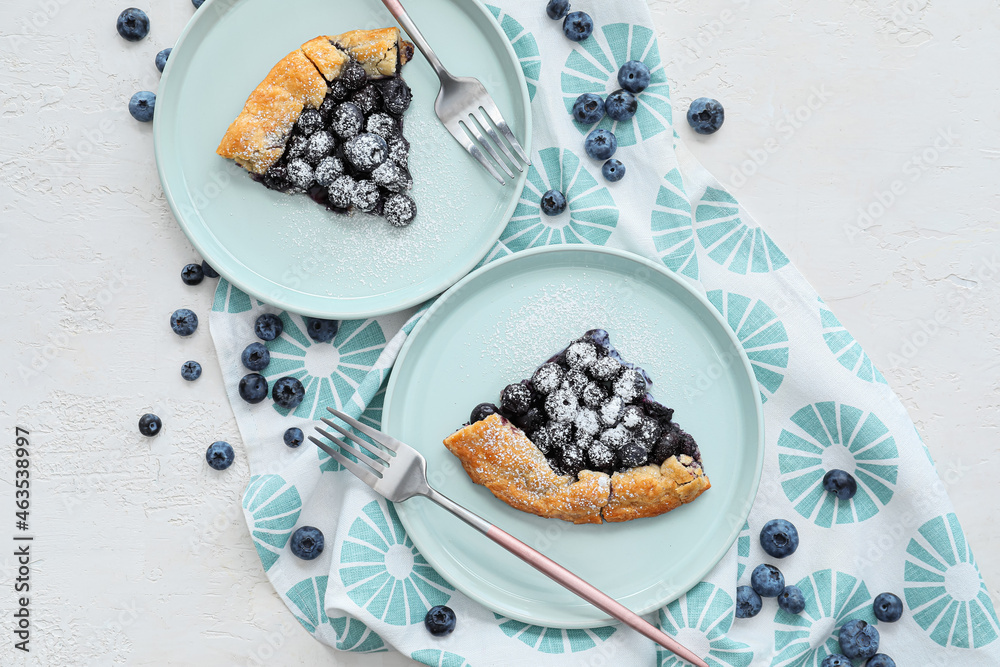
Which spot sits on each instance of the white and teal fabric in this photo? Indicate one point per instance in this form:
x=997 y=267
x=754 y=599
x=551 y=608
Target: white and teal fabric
x=826 y=406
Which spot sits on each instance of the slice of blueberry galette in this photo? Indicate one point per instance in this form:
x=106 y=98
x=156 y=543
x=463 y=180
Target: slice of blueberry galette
x=582 y=440
x=327 y=121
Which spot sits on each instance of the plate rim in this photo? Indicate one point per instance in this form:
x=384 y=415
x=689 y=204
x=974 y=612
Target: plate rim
x=459 y=269
x=387 y=411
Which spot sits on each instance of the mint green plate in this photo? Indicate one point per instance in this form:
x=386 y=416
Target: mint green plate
x=495 y=327
x=287 y=250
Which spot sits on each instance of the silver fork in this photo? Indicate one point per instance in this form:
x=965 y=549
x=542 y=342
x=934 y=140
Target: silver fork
x=398 y=472
x=458 y=105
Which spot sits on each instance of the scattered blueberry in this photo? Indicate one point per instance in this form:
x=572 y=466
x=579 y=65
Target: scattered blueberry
x=621 y=105
x=577 y=26
x=288 y=393
x=220 y=455
x=161 y=58
x=840 y=484
x=253 y=388
x=888 y=607
x=183 y=322
x=613 y=170
x=553 y=202
x=133 y=24
x=859 y=639
x=516 y=399
x=190 y=370
x=556 y=9
x=268 y=326
x=293 y=437
x=197 y=3
x=307 y=542
x=149 y=425
x=207 y=269
x=588 y=109
x=779 y=538
x=256 y=356
x=706 y=115
x=633 y=76
x=600 y=144
x=792 y=600
x=836 y=660
x=767 y=581
x=880 y=660
x=192 y=274
x=440 y=621
x=141 y=106
x=321 y=331
x=748 y=603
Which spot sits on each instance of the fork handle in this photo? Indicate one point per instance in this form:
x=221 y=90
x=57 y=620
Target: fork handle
x=396 y=9
x=565 y=578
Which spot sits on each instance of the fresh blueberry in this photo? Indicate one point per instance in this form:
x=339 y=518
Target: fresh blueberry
x=183 y=322
x=767 y=580
x=207 y=269
x=142 y=105
x=268 y=326
x=840 y=484
x=779 y=538
x=516 y=399
x=858 y=639
x=197 y=3
x=190 y=370
x=150 y=425
x=600 y=144
x=706 y=115
x=621 y=105
x=748 y=603
x=440 y=621
x=613 y=170
x=556 y=9
x=553 y=202
x=836 y=660
x=307 y=542
x=133 y=24
x=321 y=331
x=161 y=58
x=288 y=393
x=880 y=660
x=633 y=76
x=256 y=356
x=220 y=455
x=888 y=607
x=192 y=274
x=577 y=26
x=293 y=437
x=792 y=600
x=253 y=388
x=588 y=109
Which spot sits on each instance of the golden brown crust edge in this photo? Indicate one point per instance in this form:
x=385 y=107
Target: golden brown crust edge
x=500 y=457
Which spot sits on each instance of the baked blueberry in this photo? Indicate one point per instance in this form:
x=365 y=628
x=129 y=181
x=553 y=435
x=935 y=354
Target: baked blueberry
x=594 y=395
x=338 y=90
x=253 y=388
x=605 y=369
x=611 y=411
x=399 y=151
x=577 y=26
x=561 y=406
x=383 y=125
x=365 y=196
x=300 y=173
x=880 y=660
x=600 y=456
x=293 y=437
x=391 y=176
x=161 y=58
x=368 y=99
x=268 y=326
x=142 y=105
x=396 y=96
x=553 y=202
x=587 y=423
x=482 y=411
x=600 y=144
x=440 y=620
x=836 y=660
x=630 y=385
x=192 y=274
x=288 y=392
x=307 y=542
x=341 y=191
x=207 y=269
x=399 y=210
x=632 y=415
x=133 y=24
x=574 y=459
x=320 y=330
x=840 y=483
x=888 y=607
x=531 y=421
x=220 y=455
x=256 y=356
x=190 y=370
x=792 y=600
x=705 y=116
x=150 y=425
x=581 y=355
x=184 y=322
x=347 y=120
x=632 y=455
x=542 y=439
x=648 y=432
x=613 y=171
x=767 y=580
x=309 y=122
x=556 y=9
x=858 y=639
x=748 y=603
x=779 y=538
x=547 y=378
x=366 y=151
x=516 y=399
x=616 y=438
x=575 y=381
x=588 y=109
x=621 y=105
x=353 y=75
x=327 y=171
x=320 y=145
x=633 y=76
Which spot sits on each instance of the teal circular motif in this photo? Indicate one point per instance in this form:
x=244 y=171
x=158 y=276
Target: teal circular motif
x=275 y=506
x=592 y=67
x=306 y=598
x=230 y=299
x=944 y=591
x=524 y=46
x=761 y=334
x=436 y=658
x=554 y=640
x=742 y=550
x=846 y=349
x=699 y=621
x=384 y=573
x=729 y=241
x=670 y=223
x=832 y=599
x=590 y=216
x=829 y=435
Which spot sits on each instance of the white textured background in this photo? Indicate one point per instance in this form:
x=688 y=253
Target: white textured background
x=142 y=556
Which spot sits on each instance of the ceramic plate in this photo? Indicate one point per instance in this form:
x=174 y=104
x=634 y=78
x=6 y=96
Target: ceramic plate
x=495 y=327
x=287 y=250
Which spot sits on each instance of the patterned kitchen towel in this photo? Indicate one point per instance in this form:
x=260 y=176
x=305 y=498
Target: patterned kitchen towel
x=826 y=406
